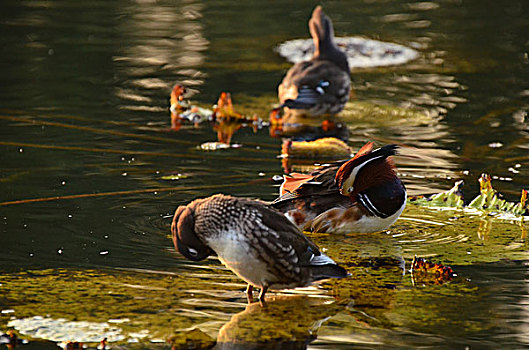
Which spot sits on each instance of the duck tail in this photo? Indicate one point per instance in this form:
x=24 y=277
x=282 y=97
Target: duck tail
x=321 y=272
x=321 y=30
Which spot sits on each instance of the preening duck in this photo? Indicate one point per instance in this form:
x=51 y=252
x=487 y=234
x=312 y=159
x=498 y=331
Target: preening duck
x=258 y=243
x=363 y=194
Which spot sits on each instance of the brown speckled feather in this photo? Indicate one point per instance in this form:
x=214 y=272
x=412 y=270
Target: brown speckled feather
x=310 y=74
x=255 y=241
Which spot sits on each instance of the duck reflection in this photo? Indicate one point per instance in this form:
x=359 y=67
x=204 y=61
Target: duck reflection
x=300 y=128
x=365 y=300
x=286 y=322
x=228 y=121
x=486 y=225
x=306 y=140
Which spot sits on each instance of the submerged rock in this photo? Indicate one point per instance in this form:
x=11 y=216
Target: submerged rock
x=326 y=148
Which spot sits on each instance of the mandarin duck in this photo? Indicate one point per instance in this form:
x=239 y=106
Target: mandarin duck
x=363 y=194
x=182 y=110
x=258 y=243
x=320 y=86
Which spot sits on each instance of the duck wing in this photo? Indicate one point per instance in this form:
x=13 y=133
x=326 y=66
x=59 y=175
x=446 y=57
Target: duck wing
x=312 y=83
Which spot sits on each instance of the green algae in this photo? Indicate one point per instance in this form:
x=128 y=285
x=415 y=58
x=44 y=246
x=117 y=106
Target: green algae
x=447 y=199
x=431 y=307
x=192 y=339
x=459 y=237
x=148 y=304
x=356 y=111
x=386 y=115
x=173 y=177
x=489 y=200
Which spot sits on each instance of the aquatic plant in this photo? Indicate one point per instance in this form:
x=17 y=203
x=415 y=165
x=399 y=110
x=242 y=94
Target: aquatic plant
x=489 y=201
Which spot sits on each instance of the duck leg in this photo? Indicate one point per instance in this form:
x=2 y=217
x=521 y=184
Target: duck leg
x=249 y=293
x=262 y=295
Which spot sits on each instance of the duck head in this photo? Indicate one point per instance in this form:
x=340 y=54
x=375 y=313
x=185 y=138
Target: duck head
x=366 y=169
x=177 y=100
x=322 y=33
x=185 y=238
x=177 y=94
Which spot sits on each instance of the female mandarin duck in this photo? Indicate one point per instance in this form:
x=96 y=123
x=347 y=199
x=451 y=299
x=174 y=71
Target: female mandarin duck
x=255 y=241
x=321 y=85
x=362 y=194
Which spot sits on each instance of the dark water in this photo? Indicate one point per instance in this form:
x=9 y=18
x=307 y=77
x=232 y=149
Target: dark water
x=84 y=110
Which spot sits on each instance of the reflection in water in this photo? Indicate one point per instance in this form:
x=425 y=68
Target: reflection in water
x=286 y=322
x=441 y=165
x=62 y=330
x=425 y=272
x=436 y=93
x=228 y=121
x=158 y=39
x=299 y=128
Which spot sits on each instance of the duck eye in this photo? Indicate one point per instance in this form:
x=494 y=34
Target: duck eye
x=192 y=251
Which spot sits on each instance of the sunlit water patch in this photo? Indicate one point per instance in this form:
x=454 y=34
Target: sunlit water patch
x=360 y=52
x=59 y=330
x=460 y=237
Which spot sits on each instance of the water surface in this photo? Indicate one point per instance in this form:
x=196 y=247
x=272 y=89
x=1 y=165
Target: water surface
x=84 y=110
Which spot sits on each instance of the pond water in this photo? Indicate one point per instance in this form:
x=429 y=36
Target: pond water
x=84 y=95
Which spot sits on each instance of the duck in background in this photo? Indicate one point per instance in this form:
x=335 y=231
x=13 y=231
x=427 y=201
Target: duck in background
x=320 y=86
x=258 y=243
x=182 y=110
x=363 y=194
x=223 y=118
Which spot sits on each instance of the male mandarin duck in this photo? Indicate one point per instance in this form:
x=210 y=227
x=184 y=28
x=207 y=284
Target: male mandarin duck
x=363 y=194
x=258 y=243
x=321 y=85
